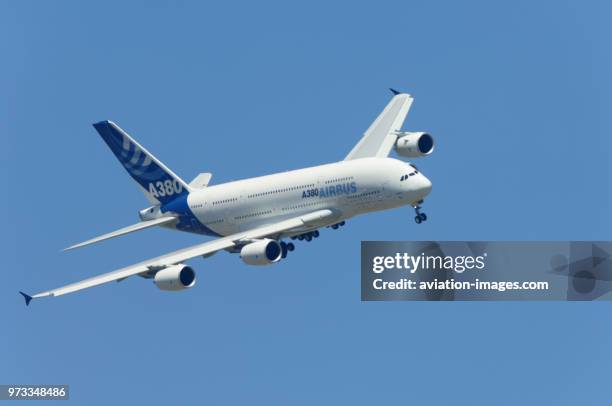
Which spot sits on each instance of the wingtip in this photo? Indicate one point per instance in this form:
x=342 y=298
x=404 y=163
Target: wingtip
x=27 y=297
x=395 y=92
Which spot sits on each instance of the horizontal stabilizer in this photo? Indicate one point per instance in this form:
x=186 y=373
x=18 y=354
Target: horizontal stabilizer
x=201 y=181
x=125 y=230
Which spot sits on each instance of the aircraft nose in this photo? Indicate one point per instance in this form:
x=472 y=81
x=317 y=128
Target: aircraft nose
x=424 y=186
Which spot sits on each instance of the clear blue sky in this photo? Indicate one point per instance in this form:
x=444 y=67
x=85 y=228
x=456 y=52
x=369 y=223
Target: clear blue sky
x=516 y=94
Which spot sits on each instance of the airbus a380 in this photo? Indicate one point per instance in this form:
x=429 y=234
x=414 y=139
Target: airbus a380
x=254 y=217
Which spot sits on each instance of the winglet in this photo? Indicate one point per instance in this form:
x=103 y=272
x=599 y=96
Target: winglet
x=395 y=92
x=27 y=297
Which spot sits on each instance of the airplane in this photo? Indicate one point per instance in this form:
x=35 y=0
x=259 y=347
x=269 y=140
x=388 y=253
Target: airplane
x=253 y=217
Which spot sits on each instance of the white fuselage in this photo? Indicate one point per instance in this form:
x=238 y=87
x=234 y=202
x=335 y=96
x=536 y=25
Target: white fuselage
x=348 y=188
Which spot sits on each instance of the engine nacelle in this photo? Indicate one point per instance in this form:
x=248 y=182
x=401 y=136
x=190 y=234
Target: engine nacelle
x=263 y=252
x=175 y=277
x=413 y=145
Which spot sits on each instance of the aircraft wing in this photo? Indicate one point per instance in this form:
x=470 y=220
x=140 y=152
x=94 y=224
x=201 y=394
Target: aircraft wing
x=381 y=135
x=317 y=218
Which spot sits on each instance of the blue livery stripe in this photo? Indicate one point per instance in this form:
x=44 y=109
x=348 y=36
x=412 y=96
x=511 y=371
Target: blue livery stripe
x=153 y=176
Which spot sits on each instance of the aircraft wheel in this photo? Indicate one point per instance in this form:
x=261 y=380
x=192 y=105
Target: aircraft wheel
x=290 y=247
x=423 y=216
x=418 y=219
x=283 y=249
x=308 y=237
x=316 y=233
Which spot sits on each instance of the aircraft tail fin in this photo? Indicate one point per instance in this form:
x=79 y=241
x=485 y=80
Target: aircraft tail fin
x=160 y=184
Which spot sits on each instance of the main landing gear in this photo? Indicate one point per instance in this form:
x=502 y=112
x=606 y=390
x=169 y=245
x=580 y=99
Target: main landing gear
x=286 y=247
x=307 y=236
x=337 y=225
x=420 y=217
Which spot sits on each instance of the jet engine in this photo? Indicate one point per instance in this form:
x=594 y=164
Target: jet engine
x=262 y=252
x=175 y=277
x=414 y=145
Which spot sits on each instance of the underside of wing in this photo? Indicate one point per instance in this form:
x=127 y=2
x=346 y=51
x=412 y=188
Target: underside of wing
x=318 y=218
x=382 y=133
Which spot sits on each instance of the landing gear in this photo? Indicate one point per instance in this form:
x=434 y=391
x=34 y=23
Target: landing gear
x=420 y=217
x=285 y=248
x=307 y=236
x=338 y=225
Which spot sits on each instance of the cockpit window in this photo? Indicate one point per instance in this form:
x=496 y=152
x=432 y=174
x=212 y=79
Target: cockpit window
x=404 y=177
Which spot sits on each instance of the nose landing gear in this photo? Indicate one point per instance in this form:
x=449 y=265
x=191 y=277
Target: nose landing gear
x=420 y=217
